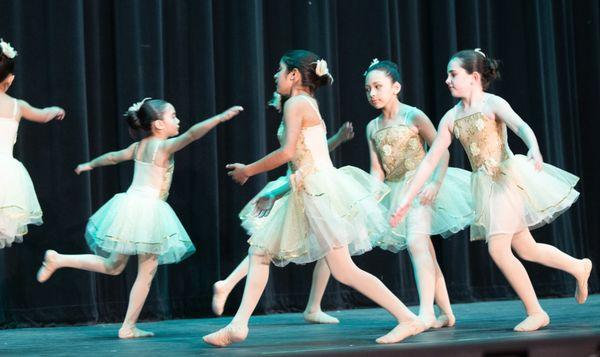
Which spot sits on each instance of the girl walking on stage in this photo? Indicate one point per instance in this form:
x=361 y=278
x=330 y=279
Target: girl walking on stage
x=397 y=139
x=329 y=213
x=511 y=193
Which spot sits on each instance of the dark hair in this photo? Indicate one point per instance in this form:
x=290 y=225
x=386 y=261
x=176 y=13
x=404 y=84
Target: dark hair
x=306 y=63
x=477 y=61
x=388 y=67
x=7 y=66
x=140 y=121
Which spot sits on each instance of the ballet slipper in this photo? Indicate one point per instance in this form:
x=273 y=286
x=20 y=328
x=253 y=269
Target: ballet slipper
x=220 y=294
x=48 y=267
x=533 y=322
x=581 y=291
x=402 y=331
x=227 y=335
x=319 y=317
x=128 y=332
x=444 y=320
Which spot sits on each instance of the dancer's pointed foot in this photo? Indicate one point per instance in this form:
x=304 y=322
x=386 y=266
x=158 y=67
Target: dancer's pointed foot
x=227 y=335
x=127 y=332
x=402 y=331
x=444 y=320
x=220 y=294
x=533 y=322
x=319 y=317
x=48 y=267
x=581 y=291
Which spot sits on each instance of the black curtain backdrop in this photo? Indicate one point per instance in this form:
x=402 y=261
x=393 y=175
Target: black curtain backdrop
x=96 y=57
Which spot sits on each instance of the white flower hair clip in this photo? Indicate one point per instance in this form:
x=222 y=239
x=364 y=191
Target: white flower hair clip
x=478 y=50
x=321 y=69
x=7 y=49
x=373 y=62
x=135 y=107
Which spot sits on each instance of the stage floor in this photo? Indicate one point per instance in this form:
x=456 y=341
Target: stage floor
x=481 y=327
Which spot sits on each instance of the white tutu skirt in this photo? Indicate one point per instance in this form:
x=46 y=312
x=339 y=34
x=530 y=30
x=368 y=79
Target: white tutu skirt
x=135 y=223
x=18 y=203
x=329 y=209
x=514 y=196
x=451 y=211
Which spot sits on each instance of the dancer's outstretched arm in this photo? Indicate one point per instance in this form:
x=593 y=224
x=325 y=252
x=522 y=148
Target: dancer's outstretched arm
x=292 y=117
x=38 y=115
x=199 y=130
x=110 y=158
x=426 y=168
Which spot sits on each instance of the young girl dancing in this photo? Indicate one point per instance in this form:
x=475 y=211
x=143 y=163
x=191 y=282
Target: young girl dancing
x=329 y=213
x=254 y=213
x=511 y=193
x=18 y=202
x=140 y=221
x=396 y=145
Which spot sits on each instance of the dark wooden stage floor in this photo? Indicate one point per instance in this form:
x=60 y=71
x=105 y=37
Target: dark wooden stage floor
x=482 y=329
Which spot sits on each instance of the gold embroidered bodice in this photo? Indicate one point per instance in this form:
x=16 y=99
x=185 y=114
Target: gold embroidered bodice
x=399 y=149
x=484 y=140
x=312 y=152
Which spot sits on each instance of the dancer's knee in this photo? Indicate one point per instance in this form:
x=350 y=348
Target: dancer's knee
x=115 y=265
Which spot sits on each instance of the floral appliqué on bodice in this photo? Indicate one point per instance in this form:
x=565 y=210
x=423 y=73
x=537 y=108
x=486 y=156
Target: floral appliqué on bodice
x=484 y=140
x=400 y=150
x=311 y=154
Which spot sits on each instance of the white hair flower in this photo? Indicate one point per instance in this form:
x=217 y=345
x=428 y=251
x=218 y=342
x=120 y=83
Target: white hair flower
x=136 y=106
x=478 y=50
x=7 y=49
x=321 y=69
x=373 y=62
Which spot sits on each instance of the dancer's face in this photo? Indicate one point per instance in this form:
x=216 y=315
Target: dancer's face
x=285 y=79
x=380 y=89
x=459 y=82
x=169 y=123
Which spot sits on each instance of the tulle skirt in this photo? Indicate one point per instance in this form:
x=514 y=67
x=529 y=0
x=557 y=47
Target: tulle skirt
x=138 y=222
x=329 y=209
x=18 y=203
x=450 y=212
x=514 y=196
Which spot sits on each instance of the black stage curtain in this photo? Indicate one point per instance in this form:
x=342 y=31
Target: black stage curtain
x=96 y=57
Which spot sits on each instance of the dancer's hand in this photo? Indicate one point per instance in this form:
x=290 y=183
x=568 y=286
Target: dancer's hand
x=238 y=173
x=535 y=155
x=263 y=206
x=429 y=193
x=60 y=113
x=83 y=167
x=345 y=132
x=400 y=213
x=230 y=113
